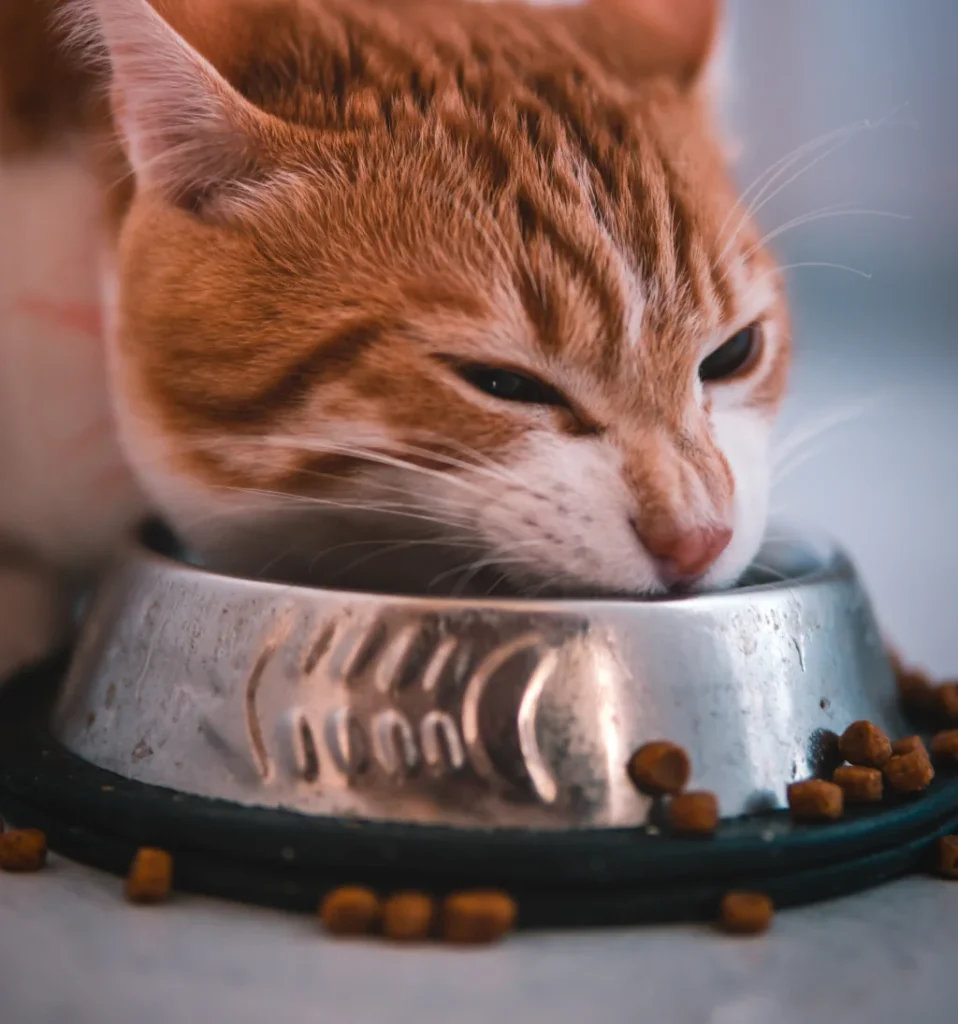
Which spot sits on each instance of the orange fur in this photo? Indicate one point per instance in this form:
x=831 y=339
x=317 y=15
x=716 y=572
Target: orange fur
x=339 y=202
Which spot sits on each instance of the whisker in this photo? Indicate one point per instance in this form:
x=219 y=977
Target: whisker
x=771 y=570
x=502 y=558
x=834 y=140
x=807 y=432
x=350 y=506
x=798 y=460
x=368 y=455
x=440 y=541
x=389 y=550
x=379 y=457
x=777 y=271
x=379 y=485
x=826 y=213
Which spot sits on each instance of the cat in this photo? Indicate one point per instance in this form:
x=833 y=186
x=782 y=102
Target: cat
x=377 y=290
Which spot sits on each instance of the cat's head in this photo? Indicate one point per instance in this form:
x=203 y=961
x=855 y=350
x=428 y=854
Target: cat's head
x=423 y=271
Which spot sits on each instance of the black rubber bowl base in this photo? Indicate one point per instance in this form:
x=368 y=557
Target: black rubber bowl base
x=591 y=878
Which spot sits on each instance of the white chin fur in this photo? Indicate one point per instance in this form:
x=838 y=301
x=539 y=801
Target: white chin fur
x=744 y=437
x=559 y=515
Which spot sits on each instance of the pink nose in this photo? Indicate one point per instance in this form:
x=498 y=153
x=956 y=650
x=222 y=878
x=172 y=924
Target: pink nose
x=684 y=555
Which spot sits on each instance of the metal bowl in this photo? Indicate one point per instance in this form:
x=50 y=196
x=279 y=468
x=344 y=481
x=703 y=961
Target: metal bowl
x=487 y=713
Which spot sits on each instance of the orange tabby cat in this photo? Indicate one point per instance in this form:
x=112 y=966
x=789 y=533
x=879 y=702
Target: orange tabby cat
x=468 y=280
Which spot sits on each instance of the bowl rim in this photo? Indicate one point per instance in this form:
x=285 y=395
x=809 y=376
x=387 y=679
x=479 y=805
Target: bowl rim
x=830 y=565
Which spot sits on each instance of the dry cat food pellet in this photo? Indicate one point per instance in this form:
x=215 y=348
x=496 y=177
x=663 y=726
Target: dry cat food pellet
x=907 y=745
x=948 y=856
x=916 y=692
x=659 y=768
x=863 y=743
x=350 y=910
x=475 y=917
x=944 y=746
x=694 y=813
x=746 y=913
x=909 y=770
x=815 y=800
x=408 y=916
x=948 y=701
x=23 y=849
x=151 y=876
x=860 y=785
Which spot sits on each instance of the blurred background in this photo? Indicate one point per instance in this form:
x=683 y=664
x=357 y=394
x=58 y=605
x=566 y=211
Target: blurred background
x=868 y=90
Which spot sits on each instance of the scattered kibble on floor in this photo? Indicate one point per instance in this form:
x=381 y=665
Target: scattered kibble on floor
x=746 y=913
x=909 y=769
x=864 y=744
x=659 y=768
x=944 y=746
x=858 y=784
x=815 y=800
x=948 y=856
x=907 y=745
x=694 y=813
x=350 y=910
x=23 y=849
x=948 y=701
x=921 y=697
x=915 y=690
x=408 y=916
x=477 y=917
x=150 y=879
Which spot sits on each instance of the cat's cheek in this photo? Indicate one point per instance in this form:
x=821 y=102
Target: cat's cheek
x=560 y=513
x=744 y=437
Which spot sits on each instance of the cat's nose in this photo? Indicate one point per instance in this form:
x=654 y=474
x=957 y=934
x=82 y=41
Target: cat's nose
x=684 y=555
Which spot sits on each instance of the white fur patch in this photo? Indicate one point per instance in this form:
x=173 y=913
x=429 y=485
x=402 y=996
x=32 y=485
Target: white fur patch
x=66 y=494
x=744 y=437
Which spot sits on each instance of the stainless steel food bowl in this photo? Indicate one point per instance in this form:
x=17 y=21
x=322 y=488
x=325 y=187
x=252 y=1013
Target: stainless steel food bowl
x=469 y=713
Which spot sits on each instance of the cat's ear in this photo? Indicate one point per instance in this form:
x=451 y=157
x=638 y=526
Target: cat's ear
x=188 y=133
x=674 y=37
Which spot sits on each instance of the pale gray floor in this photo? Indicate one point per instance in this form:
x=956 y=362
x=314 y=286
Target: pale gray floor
x=72 y=952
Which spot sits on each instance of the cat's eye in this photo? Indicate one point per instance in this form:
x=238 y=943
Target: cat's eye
x=735 y=358
x=510 y=386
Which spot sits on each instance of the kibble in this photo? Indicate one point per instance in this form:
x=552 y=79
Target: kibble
x=948 y=701
x=408 y=916
x=907 y=745
x=350 y=910
x=860 y=785
x=694 y=813
x=916 y=692
x=150 y=879
x=948 y=856
x=909 y=769
x=815 y=800
x=944 y=746
x=477 y=917
x=659 y=768
x=865 y=745
x=746 y=913
x=23 y=849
